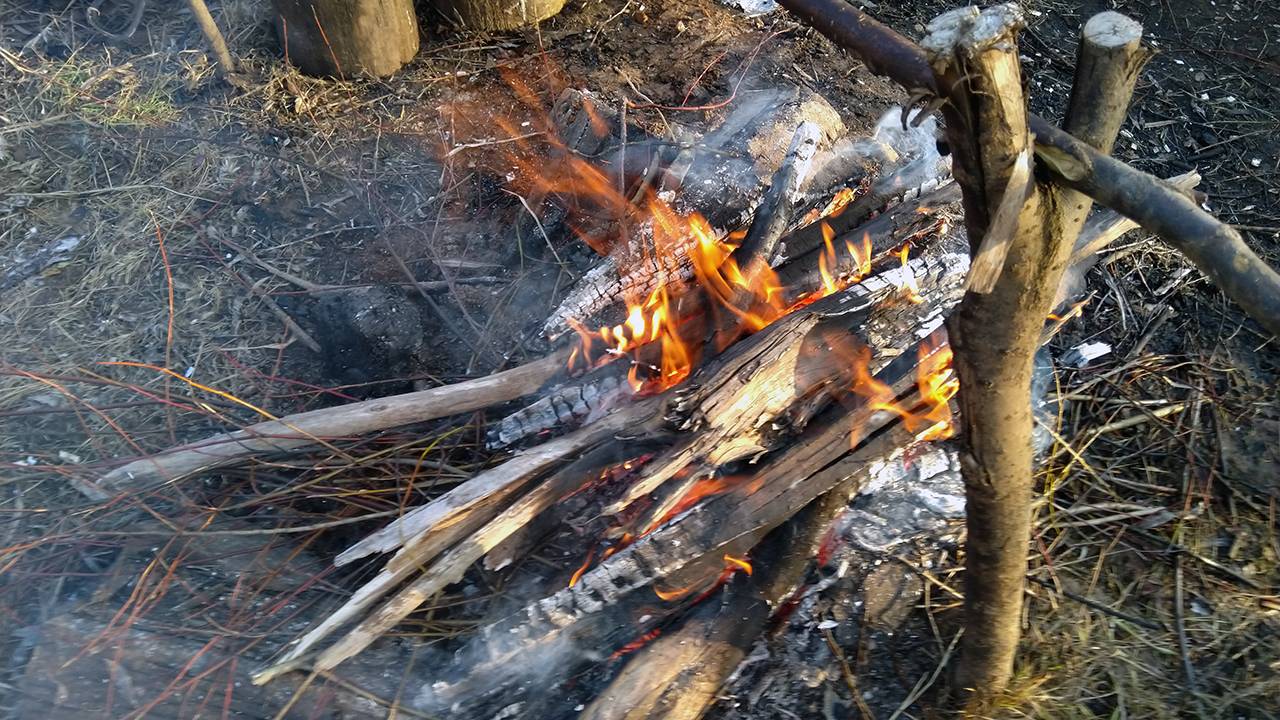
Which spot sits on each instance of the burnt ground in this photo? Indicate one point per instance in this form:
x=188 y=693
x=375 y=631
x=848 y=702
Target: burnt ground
x=207 y=215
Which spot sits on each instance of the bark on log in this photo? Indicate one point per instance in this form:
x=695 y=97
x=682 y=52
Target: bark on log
x=320 y=426
x=767 y=387
x=995 y=335
x=489 y=15
x=722 y=176
x=777 y=207
x=1217 y=249
x=347 y=38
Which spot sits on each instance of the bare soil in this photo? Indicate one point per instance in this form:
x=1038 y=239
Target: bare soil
x=207 y=215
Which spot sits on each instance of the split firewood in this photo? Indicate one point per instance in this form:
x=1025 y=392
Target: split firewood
x=720 y=400
x=752 y=397
x=678 y=675
x=609 y=604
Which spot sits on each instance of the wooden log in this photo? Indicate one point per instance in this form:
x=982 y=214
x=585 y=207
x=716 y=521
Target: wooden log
x=347 y=38
x=721 y=176
x=490 y=15
x=566 y=406
x=1099 y=231
x=777 y=207
x=467 y=522
x=678 y=675
x=1215 y=248
x=750 y=399
x=991 y=144
x=608 y=604
x=321 y=426
x=1029 y=231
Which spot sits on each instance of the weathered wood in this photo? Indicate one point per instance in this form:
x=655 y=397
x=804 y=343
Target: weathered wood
x=492 y=15
x=566 y=406
x=605 y=606
x=777 y=207
x=789 y=368
x=1108 y=226
x=320 y=426
x=914 y=180
x=347 y=38
x=678 y=675
x=722 y=176
x=467 y=522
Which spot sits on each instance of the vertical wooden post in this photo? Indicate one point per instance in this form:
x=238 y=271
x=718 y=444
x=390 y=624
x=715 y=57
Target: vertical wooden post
x=1027 y=229
x=347 y=38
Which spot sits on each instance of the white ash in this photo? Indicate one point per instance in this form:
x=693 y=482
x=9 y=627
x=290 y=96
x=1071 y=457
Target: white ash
x=909 y=496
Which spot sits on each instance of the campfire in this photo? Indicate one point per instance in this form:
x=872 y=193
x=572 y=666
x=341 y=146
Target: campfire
x=749 y=352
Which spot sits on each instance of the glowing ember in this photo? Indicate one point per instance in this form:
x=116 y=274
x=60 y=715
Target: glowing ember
x=636 y=644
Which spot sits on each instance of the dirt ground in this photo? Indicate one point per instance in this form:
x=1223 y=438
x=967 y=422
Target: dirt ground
x=255 y=243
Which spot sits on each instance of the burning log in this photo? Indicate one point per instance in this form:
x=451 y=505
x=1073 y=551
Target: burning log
x=679 y=674
x=608 y=604
x=737 y=412
x=1217 y=249
x=712 y=176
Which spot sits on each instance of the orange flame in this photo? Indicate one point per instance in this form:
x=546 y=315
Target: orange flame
x=935 y=380
x=674 y=594
x=826 y=260
x=833 y=208
x=577 y=574
x=737 y=562
x=754 y=294
x=703 y=488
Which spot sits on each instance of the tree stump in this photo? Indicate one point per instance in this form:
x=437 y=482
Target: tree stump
x=347 y=38
x=497 y=14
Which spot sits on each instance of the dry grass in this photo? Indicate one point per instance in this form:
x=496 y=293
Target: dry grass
x=1168 y=517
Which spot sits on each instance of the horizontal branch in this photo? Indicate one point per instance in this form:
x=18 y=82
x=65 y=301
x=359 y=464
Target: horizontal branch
x=1214 y=247
x=319 y=426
